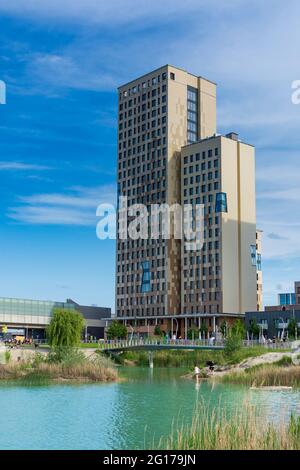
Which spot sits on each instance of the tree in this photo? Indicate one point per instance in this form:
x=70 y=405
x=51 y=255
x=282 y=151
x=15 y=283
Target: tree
x=65 y=328
x=254 y=329
x=292 y=328
x=116 y=330
x=158 y=331
x=193 y=332
x=203 y=329
x=234 y=338
x=232 y=344
x=238 y=329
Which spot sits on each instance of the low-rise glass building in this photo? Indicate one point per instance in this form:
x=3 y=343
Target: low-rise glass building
x=30 y=318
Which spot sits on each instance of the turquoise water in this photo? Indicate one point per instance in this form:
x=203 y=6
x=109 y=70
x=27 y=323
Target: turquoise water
x=125 y=415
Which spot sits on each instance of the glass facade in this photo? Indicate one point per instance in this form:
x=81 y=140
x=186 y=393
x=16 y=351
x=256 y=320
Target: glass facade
x=258 y=261
x=253 y=254
x=30 y=307
x=287 y=299
x=145 y=286
x=221 y=202
x=192 y=115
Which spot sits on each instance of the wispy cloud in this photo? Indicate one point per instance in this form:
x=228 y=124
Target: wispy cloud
x=22 y=166
x=290 y=194
x=116 y=11
x=77 y=206
x=276 y=236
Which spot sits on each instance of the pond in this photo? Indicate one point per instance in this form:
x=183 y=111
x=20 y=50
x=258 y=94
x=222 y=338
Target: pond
x=131 y=414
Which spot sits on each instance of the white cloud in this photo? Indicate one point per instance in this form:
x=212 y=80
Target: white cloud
x=101 y=12
x=75 y=207
x=289 y=194
x=22 y=166
x=50 y=216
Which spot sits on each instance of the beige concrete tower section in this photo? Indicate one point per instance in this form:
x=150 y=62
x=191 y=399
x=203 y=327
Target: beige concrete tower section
x=238 y=226
x=177 y=85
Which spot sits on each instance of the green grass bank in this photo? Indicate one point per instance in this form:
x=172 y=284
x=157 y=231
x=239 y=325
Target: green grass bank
x=175 y=358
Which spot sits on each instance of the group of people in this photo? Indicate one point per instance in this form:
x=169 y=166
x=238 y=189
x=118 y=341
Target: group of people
x=274 y=339
x=14 y=342
x=209 y=364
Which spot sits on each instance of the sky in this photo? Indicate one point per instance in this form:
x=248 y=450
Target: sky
x=62 y=63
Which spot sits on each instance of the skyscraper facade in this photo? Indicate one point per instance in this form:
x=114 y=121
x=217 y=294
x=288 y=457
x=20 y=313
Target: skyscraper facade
x=169 y=153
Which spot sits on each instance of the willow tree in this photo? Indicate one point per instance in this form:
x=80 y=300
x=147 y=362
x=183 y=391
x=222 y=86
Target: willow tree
x=65 y=328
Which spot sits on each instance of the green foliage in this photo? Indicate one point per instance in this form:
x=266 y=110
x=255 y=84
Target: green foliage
x=177 y=358
x=233 y=344
x=294 y=427
x=224 y=328
x=65 y=355
x=158 y=331
x=38 y=359
x=116 y=330
x=203 y=328
x=193 y=333
x=243 y=429
x=285 y=361
x=238 y=329
x=7 y=356
x=293 y=328
x=254 y=329
x=65 y=328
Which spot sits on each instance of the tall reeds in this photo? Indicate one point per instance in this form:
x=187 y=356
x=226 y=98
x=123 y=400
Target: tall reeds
x=213 y=429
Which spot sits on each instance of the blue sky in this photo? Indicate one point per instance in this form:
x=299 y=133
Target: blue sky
x=62 y=62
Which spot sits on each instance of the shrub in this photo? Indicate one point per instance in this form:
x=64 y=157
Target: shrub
x=254 y=329
x=193 y=333
x=65 y=355
x=233 y=343
x=158 y=331
x=292 y=328
x=285 y=361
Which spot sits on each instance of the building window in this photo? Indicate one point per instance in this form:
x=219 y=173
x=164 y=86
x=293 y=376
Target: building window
x=192 y=114
x=221 y=202
x=253 y=254
x=258 y=261
x=172 y=76
x=145 y=285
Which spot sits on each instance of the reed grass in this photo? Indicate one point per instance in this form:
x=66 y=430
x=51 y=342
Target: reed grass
x=99 y=370
x=213 y=429
x=265 y=375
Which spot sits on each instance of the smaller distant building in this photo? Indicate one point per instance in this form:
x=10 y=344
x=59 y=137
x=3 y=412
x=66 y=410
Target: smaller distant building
x=272 y=322
x=287 y=300
x=30 y=318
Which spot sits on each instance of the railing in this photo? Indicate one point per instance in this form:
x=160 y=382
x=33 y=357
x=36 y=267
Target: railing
x=120 y=344
x=278 y=344
x=144 y=342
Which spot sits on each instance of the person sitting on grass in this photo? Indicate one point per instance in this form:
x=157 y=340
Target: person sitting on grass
x=211 y=365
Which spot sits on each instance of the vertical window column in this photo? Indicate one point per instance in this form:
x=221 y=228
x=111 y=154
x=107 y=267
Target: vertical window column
x=192 y=114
